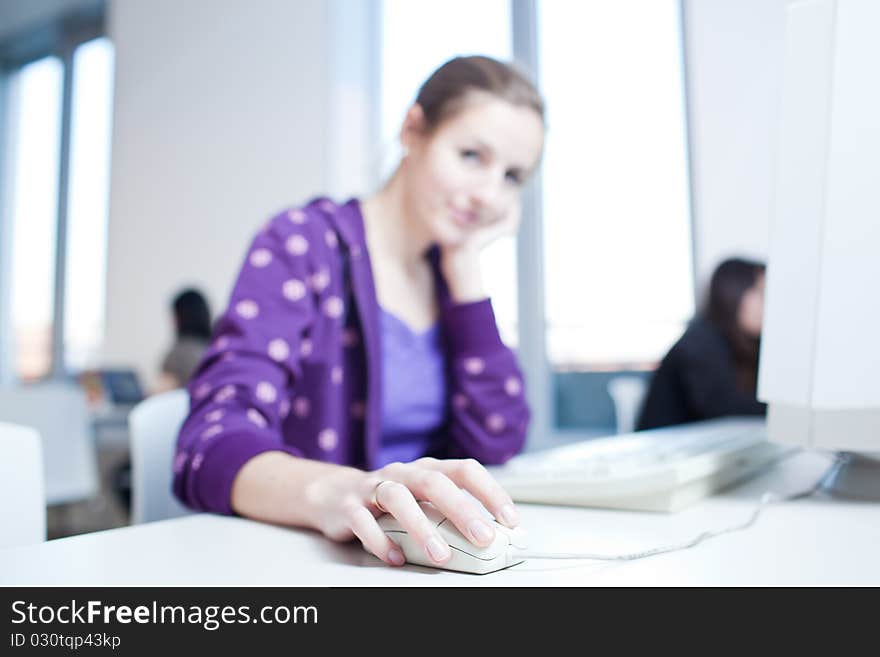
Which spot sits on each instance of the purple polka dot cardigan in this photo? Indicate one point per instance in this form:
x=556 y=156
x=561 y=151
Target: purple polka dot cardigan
x=294 y=364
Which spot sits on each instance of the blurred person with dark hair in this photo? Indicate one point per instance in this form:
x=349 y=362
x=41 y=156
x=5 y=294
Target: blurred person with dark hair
x=712 y=371
x=192 y=323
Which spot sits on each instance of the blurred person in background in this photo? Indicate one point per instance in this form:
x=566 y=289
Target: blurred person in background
x=192 y=328
x=712 y=371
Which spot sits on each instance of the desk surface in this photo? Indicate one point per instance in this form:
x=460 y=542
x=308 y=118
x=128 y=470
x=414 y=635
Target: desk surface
x=814 y=541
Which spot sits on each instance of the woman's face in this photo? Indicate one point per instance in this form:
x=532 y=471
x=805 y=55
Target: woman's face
x=468 y=172
x=751 y=308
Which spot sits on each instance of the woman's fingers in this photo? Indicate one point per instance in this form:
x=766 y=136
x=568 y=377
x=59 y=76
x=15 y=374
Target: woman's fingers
x=365 y=527
x=434 y=486
x=396 y=488
x=471 y=476
x=397 y=500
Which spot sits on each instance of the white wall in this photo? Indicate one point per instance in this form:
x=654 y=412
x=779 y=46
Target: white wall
x=734 y=50
x=219 y=122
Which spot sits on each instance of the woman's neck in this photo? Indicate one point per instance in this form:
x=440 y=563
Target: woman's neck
x=391 y=230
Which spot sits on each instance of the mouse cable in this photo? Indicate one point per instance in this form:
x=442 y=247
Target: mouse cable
x=768 y=497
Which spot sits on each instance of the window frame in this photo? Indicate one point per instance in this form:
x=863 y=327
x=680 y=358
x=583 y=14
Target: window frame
x=58 y=37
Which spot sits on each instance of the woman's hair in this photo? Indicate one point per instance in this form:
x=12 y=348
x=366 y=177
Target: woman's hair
x=192 y=315
x=444 y=93
x=730 y=281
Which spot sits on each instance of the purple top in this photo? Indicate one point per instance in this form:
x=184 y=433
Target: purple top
x=295 y=363
x=414 y=391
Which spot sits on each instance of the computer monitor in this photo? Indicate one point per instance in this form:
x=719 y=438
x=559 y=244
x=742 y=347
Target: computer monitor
x=820 y=353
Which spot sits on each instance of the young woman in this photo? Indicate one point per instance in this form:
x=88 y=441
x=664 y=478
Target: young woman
x=358 y=368
x=192 y=327
x=712 y=371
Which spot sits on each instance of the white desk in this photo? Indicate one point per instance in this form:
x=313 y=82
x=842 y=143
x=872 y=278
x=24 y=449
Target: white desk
x=814 y=541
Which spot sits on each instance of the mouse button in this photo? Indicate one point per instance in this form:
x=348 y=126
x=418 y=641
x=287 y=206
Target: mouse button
x=518 y=536
x=500 y=545
x=459 y=542
x=432 y=513
x=387 y=522
x=449 y=533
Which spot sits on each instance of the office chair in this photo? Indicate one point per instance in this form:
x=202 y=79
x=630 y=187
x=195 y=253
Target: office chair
x=60 y=414
x=22 y=492
x=627 y=392
x=153 y=426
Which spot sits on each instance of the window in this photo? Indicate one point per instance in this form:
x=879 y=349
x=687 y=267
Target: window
x=87 y=199
x=616 y=212
x=57 y=125
x=34 y=138
x=417 y=37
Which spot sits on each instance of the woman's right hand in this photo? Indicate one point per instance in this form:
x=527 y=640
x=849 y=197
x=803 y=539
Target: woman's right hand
x=347 y=502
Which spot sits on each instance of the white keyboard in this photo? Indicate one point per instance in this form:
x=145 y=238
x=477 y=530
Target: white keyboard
x=660 y=470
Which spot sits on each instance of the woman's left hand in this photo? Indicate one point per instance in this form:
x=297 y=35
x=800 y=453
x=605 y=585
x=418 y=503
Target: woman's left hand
x=482 y=235
x=461 y=262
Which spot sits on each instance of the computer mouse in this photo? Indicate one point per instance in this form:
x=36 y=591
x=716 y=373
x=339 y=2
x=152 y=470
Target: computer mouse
x=466 y=557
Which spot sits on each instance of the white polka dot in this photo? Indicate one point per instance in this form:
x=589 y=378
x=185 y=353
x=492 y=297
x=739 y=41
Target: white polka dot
x=328 y=439
x=327 y=205
x=179 y=461
x=358 y=410
x=336 y=375
x=297 y=216
x=256 y=417
x=293 y=289
x=474 y=366
x=212 y=431
x=221 y=343
x=215 y=415
x=261 y=257
x=306 y=347
x=197 y=461
x=320 y=280
x=202 y=391
x=330 y=238
x=279 y=350
x=224 y=394
x=247 y=308
x=460 y=401
x=266 y=392
x=512 y=386
x=333 y=307
x=301 y=407
x=495 y=423
x=297 y=244
x=284 y=408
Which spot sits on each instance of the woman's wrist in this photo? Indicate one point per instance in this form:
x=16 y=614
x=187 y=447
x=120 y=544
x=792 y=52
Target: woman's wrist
x=461 y=269
x=323 y=493
x=277 y=487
